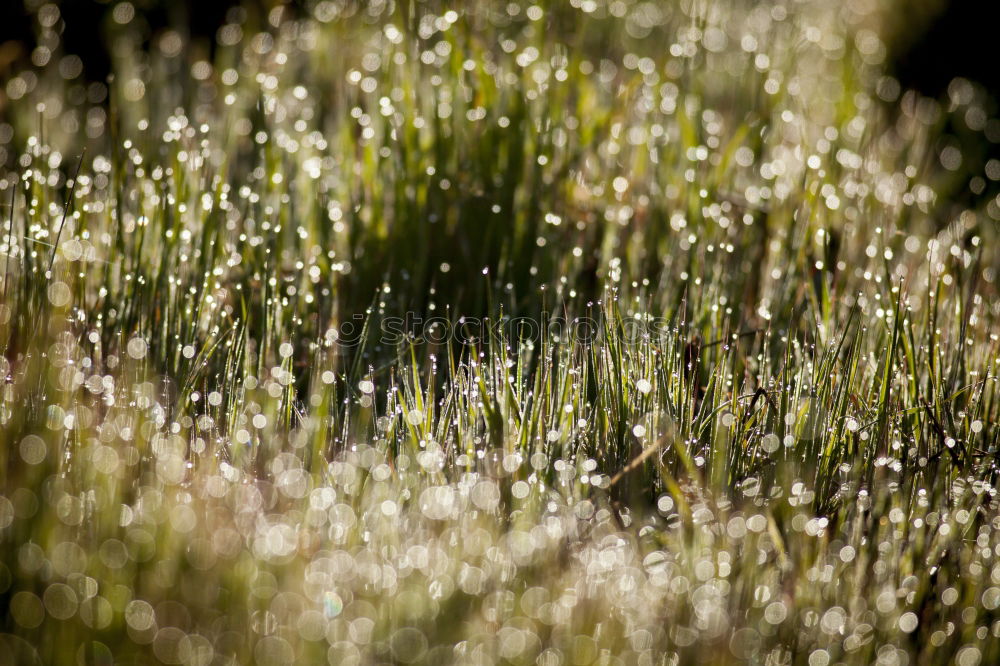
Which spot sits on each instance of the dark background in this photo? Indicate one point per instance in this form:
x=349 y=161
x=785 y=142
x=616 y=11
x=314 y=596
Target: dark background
x=928 y=50
x=86 y=19
x=931 y=43
x=960 y=40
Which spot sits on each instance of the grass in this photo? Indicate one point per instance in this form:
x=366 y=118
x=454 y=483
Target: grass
x=573 y=333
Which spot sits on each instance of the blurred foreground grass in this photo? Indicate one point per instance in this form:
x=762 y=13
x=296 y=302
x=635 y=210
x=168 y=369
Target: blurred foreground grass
x=570 y=333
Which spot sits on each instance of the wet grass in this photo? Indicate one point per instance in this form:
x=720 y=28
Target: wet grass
x=574 y=333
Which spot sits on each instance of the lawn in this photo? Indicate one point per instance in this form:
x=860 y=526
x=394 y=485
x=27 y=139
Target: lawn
x=576 y=332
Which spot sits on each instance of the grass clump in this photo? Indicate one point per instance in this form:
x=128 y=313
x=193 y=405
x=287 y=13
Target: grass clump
x=563 y=333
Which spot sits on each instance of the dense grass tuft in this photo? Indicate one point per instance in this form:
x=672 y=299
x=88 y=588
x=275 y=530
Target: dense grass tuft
x=580 y=332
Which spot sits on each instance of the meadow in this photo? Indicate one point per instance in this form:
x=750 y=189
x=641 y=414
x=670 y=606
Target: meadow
x=584 y=332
